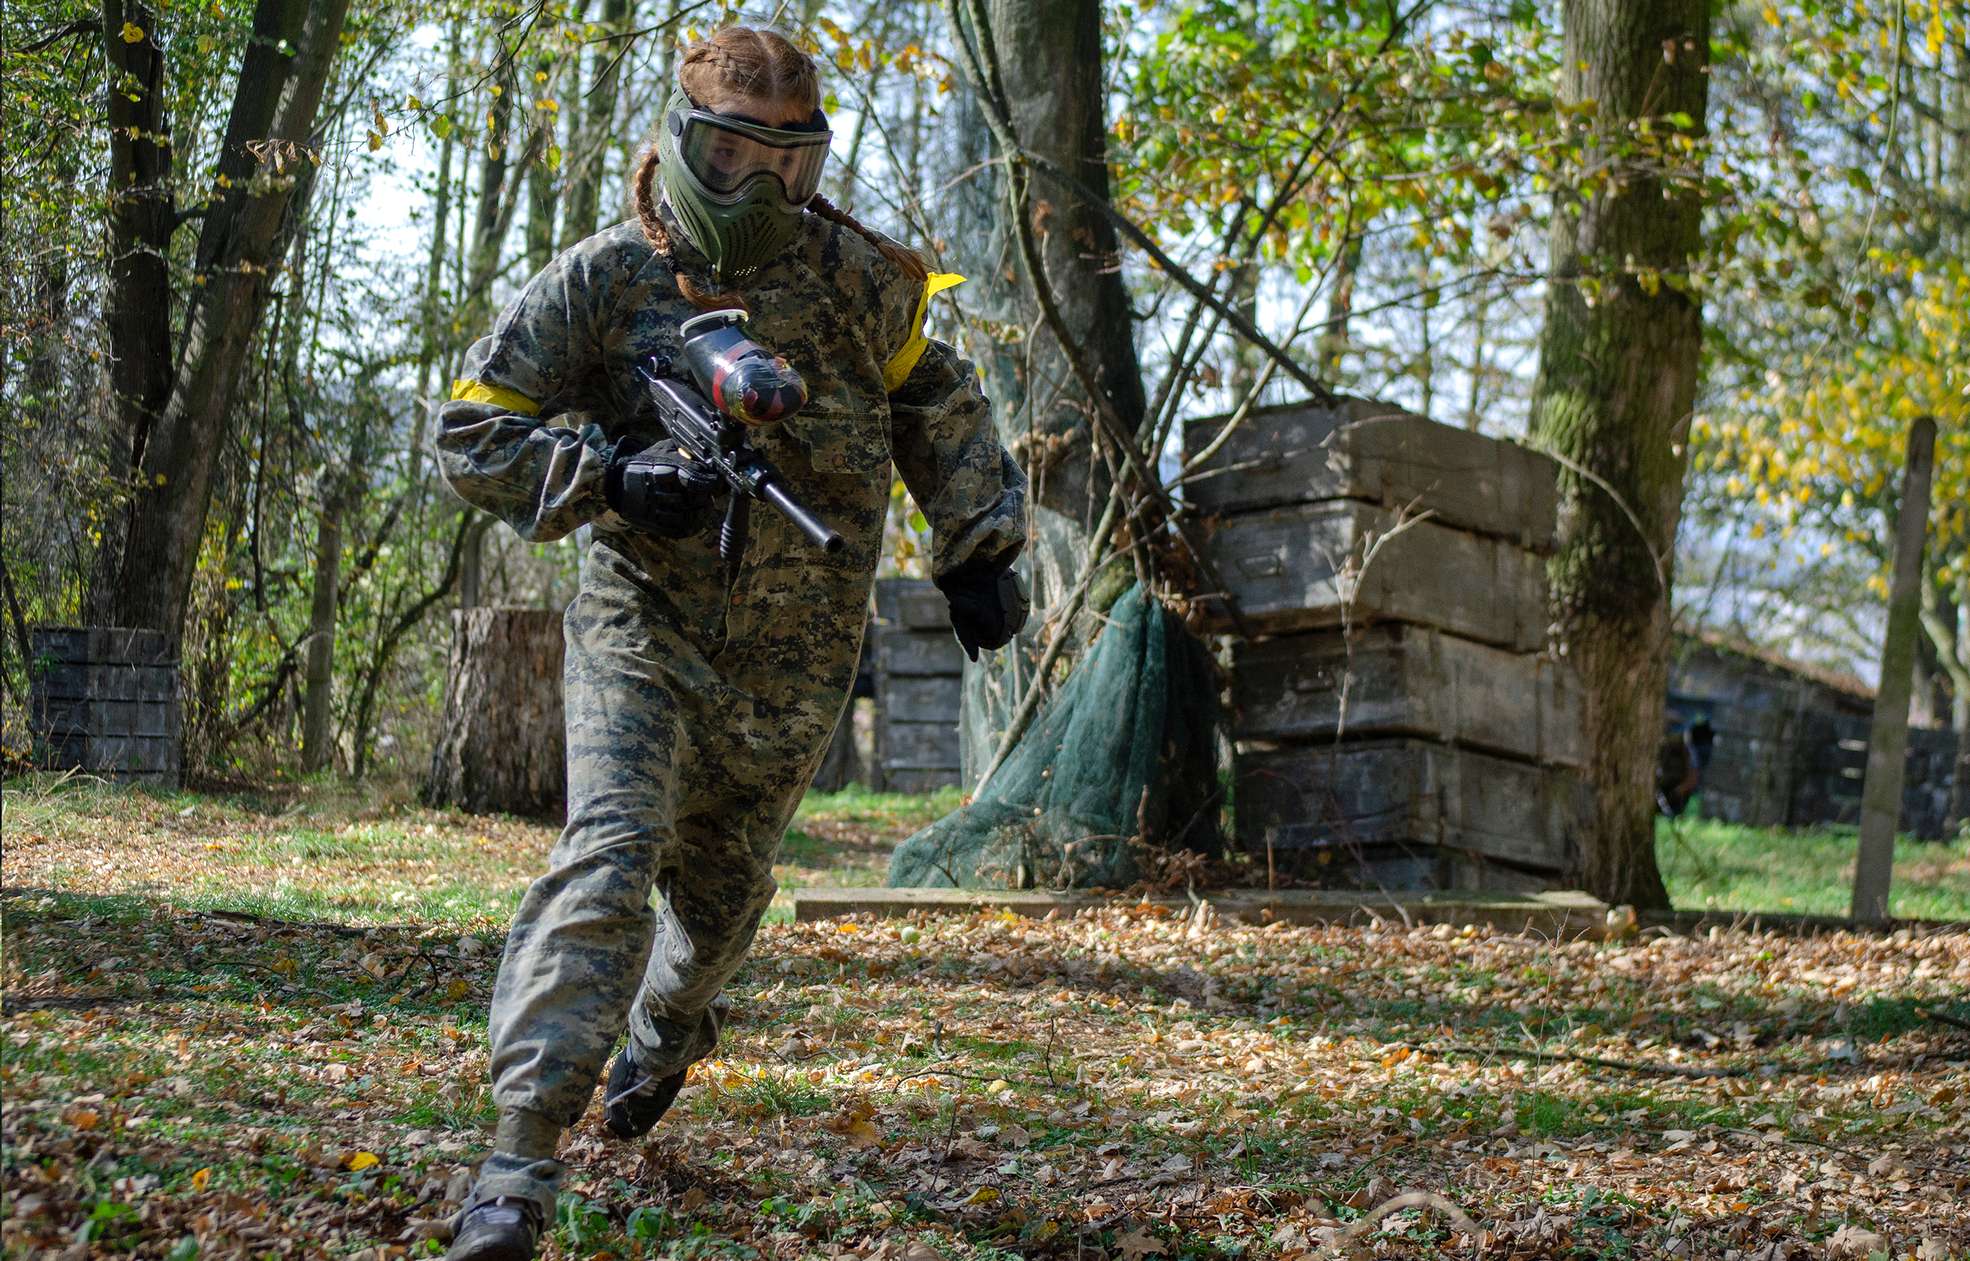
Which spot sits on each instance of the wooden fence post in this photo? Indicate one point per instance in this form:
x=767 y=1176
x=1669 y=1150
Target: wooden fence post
x=1887 y=745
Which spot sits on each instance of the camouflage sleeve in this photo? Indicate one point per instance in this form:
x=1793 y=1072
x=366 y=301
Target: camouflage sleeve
x=969 y=487
x=508 y=441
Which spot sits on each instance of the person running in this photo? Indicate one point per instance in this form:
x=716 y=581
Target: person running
x=700 y=701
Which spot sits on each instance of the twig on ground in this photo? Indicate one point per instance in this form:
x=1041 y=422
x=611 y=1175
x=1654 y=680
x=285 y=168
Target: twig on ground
x=1943 y=1018
x=1429 y=1200
x=987 y=1078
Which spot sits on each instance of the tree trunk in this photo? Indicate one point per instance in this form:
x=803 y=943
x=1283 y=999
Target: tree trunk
x=142 y=218
x=316 y=713
x=276 y=101
x=543 y=175
x=502 y=747
x=1959 y=793
x=1049 y=57
x=1617 y=378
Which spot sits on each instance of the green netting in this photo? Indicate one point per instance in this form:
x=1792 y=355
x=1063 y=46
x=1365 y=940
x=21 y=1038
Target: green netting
x=1120 y=762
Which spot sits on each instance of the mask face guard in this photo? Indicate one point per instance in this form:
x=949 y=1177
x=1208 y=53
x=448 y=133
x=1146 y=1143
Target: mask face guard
x=728 y=155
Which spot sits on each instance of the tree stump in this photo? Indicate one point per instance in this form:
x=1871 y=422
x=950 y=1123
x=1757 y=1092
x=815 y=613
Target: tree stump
x=502 y=747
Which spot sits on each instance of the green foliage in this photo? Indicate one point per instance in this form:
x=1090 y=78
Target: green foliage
x=1376 y=181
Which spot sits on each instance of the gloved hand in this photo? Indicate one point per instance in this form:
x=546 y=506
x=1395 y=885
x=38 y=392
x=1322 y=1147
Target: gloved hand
x=988 y=605
x=660 y=489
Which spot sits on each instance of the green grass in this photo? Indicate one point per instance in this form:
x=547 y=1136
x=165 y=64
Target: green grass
x=856 y=804
x=1724 y=866
x=366 y=854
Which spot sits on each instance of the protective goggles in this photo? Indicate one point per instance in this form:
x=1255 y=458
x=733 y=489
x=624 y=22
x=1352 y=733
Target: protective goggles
x=726 y=152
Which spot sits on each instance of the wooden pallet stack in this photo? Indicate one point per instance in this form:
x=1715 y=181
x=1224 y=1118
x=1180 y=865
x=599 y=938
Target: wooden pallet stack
x=919 y=673
x=1398 y=722
x=104 y=700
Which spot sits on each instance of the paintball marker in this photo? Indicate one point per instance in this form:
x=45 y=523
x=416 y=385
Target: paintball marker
x=747 y=386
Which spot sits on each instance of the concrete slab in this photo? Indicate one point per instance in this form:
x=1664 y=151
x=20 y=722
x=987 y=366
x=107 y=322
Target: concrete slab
x=1564 y=913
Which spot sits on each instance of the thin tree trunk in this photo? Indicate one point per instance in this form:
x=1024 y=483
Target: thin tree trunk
x=1474 y=405
x=1887 y=738
x=1245 y=360
x=543 y=177
x=316 y=711
x=432 y=315
x=1426 y=363
x=392 y=639
x=594 y=139
x=278 y=95
x=1959 y=796
x=1617 y=378
x=1331 y=347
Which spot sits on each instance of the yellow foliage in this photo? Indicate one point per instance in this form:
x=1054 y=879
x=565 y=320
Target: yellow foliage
x=1832 y=428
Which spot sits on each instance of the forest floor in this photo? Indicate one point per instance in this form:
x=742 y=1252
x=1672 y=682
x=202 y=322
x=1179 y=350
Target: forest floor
x=253 y=1024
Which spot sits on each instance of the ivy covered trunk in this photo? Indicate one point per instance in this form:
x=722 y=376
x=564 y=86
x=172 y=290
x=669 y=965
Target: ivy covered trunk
x=1049 y=57
x=1618 y=363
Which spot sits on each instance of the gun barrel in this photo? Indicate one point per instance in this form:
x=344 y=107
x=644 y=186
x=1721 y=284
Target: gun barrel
x=812 y=526
x=698 y=429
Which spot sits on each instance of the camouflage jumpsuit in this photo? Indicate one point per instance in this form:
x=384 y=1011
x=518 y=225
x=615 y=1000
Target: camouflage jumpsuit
x=697 y=710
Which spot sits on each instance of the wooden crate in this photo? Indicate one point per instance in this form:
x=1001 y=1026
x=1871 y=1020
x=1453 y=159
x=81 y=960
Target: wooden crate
x=1366 y=796
x=919 y=672
x=104 y=700
x=1408 y=680
x=1380 y=454
x=1303 y=566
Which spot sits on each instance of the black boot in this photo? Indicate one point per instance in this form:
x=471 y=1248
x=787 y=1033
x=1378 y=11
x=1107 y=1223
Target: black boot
x=632 y=1100
x=501 y=1229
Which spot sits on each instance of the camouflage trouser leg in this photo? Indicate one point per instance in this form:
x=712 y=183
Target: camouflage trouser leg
x=582 y=932
x=712 y=901
x=665 y=793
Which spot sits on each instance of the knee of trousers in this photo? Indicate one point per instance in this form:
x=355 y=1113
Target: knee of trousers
x=593 y=889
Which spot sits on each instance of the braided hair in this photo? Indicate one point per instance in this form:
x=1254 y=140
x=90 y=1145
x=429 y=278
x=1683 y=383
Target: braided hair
x=749 y=61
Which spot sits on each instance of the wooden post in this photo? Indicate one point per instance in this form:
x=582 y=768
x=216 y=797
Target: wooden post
x=1887 y=745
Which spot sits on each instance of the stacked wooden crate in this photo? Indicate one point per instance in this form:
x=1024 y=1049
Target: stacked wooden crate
x=104 y=700
x=1397 y=719
x=919 y=673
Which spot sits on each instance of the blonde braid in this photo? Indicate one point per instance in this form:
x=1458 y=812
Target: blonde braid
x=658 y=236
x=907 y=260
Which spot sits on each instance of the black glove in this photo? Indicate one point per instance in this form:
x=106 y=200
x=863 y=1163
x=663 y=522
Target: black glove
x=660 y=489
x=988 y=605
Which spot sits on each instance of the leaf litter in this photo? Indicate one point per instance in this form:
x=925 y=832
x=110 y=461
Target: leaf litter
x=190 y=1079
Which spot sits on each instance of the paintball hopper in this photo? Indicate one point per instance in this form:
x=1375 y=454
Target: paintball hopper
x=742 y=378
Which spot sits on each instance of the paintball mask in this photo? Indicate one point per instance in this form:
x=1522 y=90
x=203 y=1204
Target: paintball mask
x=736 y=184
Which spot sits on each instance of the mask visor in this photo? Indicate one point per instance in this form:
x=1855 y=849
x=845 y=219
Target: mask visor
x=726 y=156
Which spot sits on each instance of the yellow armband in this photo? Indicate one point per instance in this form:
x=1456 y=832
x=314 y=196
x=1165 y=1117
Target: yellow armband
x=480 y=392
x=904 y=361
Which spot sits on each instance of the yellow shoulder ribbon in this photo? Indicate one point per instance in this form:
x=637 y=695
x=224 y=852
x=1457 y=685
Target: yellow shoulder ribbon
x=480 y=392
x=904 y=361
